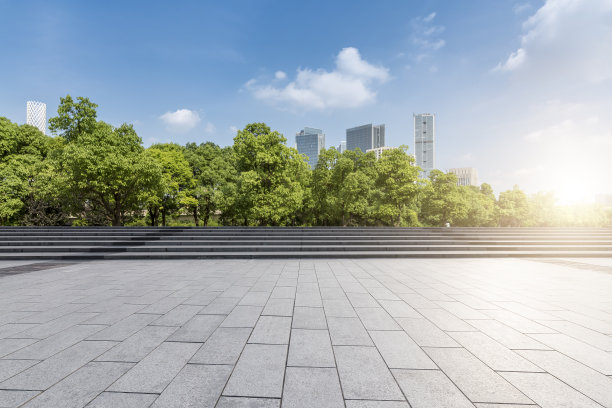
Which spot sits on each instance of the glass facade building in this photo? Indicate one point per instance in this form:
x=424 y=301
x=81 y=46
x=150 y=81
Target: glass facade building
x=425 y=142
x=309 y=142
x=36 y=115
x=365 y=137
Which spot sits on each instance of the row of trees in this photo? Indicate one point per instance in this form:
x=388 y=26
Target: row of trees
x=93 y=173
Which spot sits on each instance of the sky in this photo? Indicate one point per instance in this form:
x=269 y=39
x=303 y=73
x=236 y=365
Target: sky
x=521 y=90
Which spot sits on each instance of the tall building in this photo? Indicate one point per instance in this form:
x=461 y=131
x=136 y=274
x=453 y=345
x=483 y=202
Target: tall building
x=378 y=151
x=37 y=115
x=342 y=146
x=466 y=176
x=365 y=137
x=310 y=141
x=425 y=142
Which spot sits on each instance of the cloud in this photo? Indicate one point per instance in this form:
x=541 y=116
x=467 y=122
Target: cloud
x=514 y=61
x=429 y=17
x=181 y=120
x=349 y=85
x=280 y=75
x=233 y=129
x=426 y=36
x=566 y=39
x=209 y=128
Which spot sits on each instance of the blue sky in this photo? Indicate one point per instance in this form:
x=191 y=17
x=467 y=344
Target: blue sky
x=521 y=89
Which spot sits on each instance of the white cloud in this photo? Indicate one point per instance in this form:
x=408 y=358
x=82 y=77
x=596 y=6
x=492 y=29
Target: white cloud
x=181 y=120
x=426 y=36
x=514 y=61
x=566 y=39
x=280 y=75
x=520 y=8
x=233 y=129
x=429 y=17
x=347 y=86
x=209 y=128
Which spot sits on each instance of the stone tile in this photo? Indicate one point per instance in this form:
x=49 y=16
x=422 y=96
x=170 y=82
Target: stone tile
x=507 y=336
x=310 y=348
x=242 y=316
x=430 y=388
x=493 y=354
x=259 y=372
x=548 y=392
x=163 y=306
x=43 y=331
x=124 y=328
x=198 y=329
x=223 y=346
x=201 y=298
x=82 y=386
x=8 y=346
x=586 y=354
x=418 y=301
x=278 y=307
x=115 y=315
x=462 y=311
x=518 y=322
x=221 y=305
x=14 y=398
x=56 y=343
x=154 y=372
x=178 y=316
x=122 y=400
x=505 y=406
x=338 y=308
x=364 y=375
x=9 y=368
x=235 y=292
x=446 y=320
x=332 y=293
x=362 y=300
x=136 y=347
x=309 y=318
x=255 y=299
x=376 y=404
x=312 y=387
x=238 y=402
x=477 y=381
x=48 y=372
x=11 y=329
x=308 y=299
x=376 y=318
x=52 y=314
x=271 y=330
x=425 y=333
x=584 y=379
x=348 y=331
x=400 y=351
x=592 y=337
x=195 y=386
x=399 y=308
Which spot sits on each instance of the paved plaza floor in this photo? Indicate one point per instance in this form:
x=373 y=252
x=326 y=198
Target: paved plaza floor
x=366 y=333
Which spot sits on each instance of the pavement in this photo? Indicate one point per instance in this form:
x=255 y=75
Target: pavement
x=354 y=333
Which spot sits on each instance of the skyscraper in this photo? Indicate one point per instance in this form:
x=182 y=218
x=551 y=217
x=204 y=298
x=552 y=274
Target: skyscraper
x=37 y=115
x=425 y=142
x=466 y=176
x=365 y=137
x=342 y=146
x=310 y=141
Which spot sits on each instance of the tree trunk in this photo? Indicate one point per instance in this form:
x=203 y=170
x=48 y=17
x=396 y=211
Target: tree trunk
x=164 y=217
x=117 y=214
x=195 y=216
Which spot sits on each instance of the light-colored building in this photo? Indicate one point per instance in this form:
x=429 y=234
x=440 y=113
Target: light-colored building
x=466 y=176
x=379 y=150
x=310 y=141
x=36 y=115
x=365 y=137
x=425 y=142
x=342 y=146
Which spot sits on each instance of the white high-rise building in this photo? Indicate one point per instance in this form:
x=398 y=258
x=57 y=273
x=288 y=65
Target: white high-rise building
x=37 y=115
x=310 y=142
x=425 y=142
x=378 y=151
x=466 y=176
x=342 y=146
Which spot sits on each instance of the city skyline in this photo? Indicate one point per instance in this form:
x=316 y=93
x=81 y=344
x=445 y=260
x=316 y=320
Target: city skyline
x=534 y=75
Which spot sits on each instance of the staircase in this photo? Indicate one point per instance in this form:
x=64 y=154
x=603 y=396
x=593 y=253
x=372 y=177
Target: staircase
x=88 y=243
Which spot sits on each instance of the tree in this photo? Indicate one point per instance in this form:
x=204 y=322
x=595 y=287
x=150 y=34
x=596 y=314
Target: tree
x=443 y=201
x=397 y=187
x=513 y=207
x=74 y=118
x=175 y=185
x=481 y=210
x=270 y=186
x=103 y=174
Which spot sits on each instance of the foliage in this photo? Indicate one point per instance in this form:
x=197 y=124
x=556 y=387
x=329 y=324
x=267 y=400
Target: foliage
x=74 y=118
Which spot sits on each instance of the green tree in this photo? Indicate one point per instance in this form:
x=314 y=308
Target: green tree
x=513 y=207
x=481 y=210
x=443 y=201
x=74 y=118
x=103 y=174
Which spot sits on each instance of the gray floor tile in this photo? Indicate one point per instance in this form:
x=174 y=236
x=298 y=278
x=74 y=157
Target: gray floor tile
x=376 y=318
x=9 y=368
x=136 y=347
x=198 y=329
x=240 y=402
x=56 y=343
x=376 y=404
x=8 y=346
x=259 y=372
x=124 y=328
x=506 y=335
x=549 y=392
x=271 y=330
x=310 y=348
x=338 y=308
x=312 y=387
x=474 y=378
x=430 y=388
x=278 y=307
x=122 y=400
x=195 y=386
x=242 y=316
x=399 y=308
x=14 y=398
x=425 y=333
x=255 y=299
x=178 y=316
x=400 y=351
x=364 y=375
x=153 y=373
x=445 y=320
x=221 y=305
x=348 y=331
x=592 y=337
x=309 y=318
x=223 y=346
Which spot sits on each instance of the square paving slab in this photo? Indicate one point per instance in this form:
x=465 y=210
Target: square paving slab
x=365 y=333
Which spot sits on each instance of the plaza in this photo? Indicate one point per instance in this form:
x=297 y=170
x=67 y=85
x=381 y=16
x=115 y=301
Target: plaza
x=354 y=333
